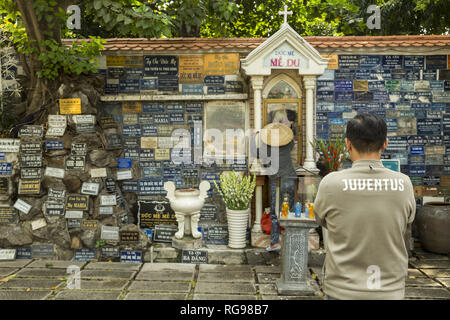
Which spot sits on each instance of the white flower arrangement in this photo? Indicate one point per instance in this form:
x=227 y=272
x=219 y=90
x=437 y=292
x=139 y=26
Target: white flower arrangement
x=236 y=191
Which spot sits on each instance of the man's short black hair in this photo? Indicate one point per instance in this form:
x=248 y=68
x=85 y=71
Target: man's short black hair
x=367 y=132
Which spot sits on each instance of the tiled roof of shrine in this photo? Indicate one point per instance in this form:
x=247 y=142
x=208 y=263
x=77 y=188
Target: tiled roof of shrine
x=248 y=44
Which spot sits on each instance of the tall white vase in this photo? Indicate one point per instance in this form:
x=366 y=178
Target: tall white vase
x=237 y=228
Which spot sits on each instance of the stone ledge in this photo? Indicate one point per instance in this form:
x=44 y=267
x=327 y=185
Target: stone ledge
x=175 y=97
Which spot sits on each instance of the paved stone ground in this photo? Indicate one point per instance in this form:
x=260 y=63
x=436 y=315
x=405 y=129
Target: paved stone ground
x=429 y=278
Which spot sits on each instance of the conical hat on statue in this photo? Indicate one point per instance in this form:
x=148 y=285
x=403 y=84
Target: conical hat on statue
x=276 y=135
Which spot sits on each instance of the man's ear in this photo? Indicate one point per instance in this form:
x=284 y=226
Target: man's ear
x=385 y=143
x=348 y=143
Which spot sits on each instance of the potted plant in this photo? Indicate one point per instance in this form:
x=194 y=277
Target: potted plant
x=236 y=191
x=332 y=154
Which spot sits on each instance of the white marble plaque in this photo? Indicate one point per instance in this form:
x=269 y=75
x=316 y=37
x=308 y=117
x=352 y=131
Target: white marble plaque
x=84 y=118
x=108 y=200
x=7 y=254
x=90 y=188
x=37 y=224
x=124 y=175
x=110 y=233
x=22 y=206
x=54 y=172
x=105 y=210
x=9 y=145
x=74 y=214
x=99 y=173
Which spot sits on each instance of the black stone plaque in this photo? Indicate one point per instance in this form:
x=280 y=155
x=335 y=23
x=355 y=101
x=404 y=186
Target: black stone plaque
x=78 y=149
x=130 y=186
x=31 y=173
x=348 y=62
x=234 y=87
x=30 y=160
x=214 y=80
x=113 y=141
x=57 y=195
x=168 y=83
x=116 y=73
x=30 y=147
x=176 y=118
x=428 y=126
x=392 y=62
x=8 y=215
x=414 y=62
x=128 y=237
x=217 y=234
x=435 y=62
x=216 y=89
x=77 y=202
x=194 y=256
x=152 y=213
x=149 y=84
x=160 y=66
x=31 y=131
x=54 y=208
x=75 y=162
x=164 y=233
x=370 y=62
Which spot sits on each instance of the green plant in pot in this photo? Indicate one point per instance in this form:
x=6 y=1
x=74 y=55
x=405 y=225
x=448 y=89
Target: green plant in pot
x=237 y=192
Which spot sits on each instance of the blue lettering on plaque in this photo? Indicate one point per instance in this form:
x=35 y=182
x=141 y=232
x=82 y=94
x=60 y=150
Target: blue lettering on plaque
x=54 y=145
x=417 y=150
x=5 y=168
x=131 y=131
x=152 y=107
x=130 y=186
x=130 y=256
x=392 y=62
x=124 y=163
x=414 y=62
x=417 y=170
x=193 y=89
x=363 y=74
x=370 y=62
x=343 y=85
x=194 y=107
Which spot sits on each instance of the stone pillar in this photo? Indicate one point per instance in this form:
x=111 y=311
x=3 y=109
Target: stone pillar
x=310 y=85
x=295 y=277
x=257 y=84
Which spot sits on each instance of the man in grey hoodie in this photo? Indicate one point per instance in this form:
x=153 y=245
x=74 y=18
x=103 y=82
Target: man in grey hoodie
x=366 y=210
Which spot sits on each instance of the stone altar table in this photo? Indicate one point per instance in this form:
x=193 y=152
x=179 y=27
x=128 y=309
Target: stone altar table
x=294 y=257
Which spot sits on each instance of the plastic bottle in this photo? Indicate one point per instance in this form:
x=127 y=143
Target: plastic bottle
x=285 y=207
x=306 y=210
x=298 y=210
x=311 y=211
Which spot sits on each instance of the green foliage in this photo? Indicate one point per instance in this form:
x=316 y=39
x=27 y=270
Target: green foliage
x=236 y=191
x=99 y=243
x=128 y=18
x=77 y=59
